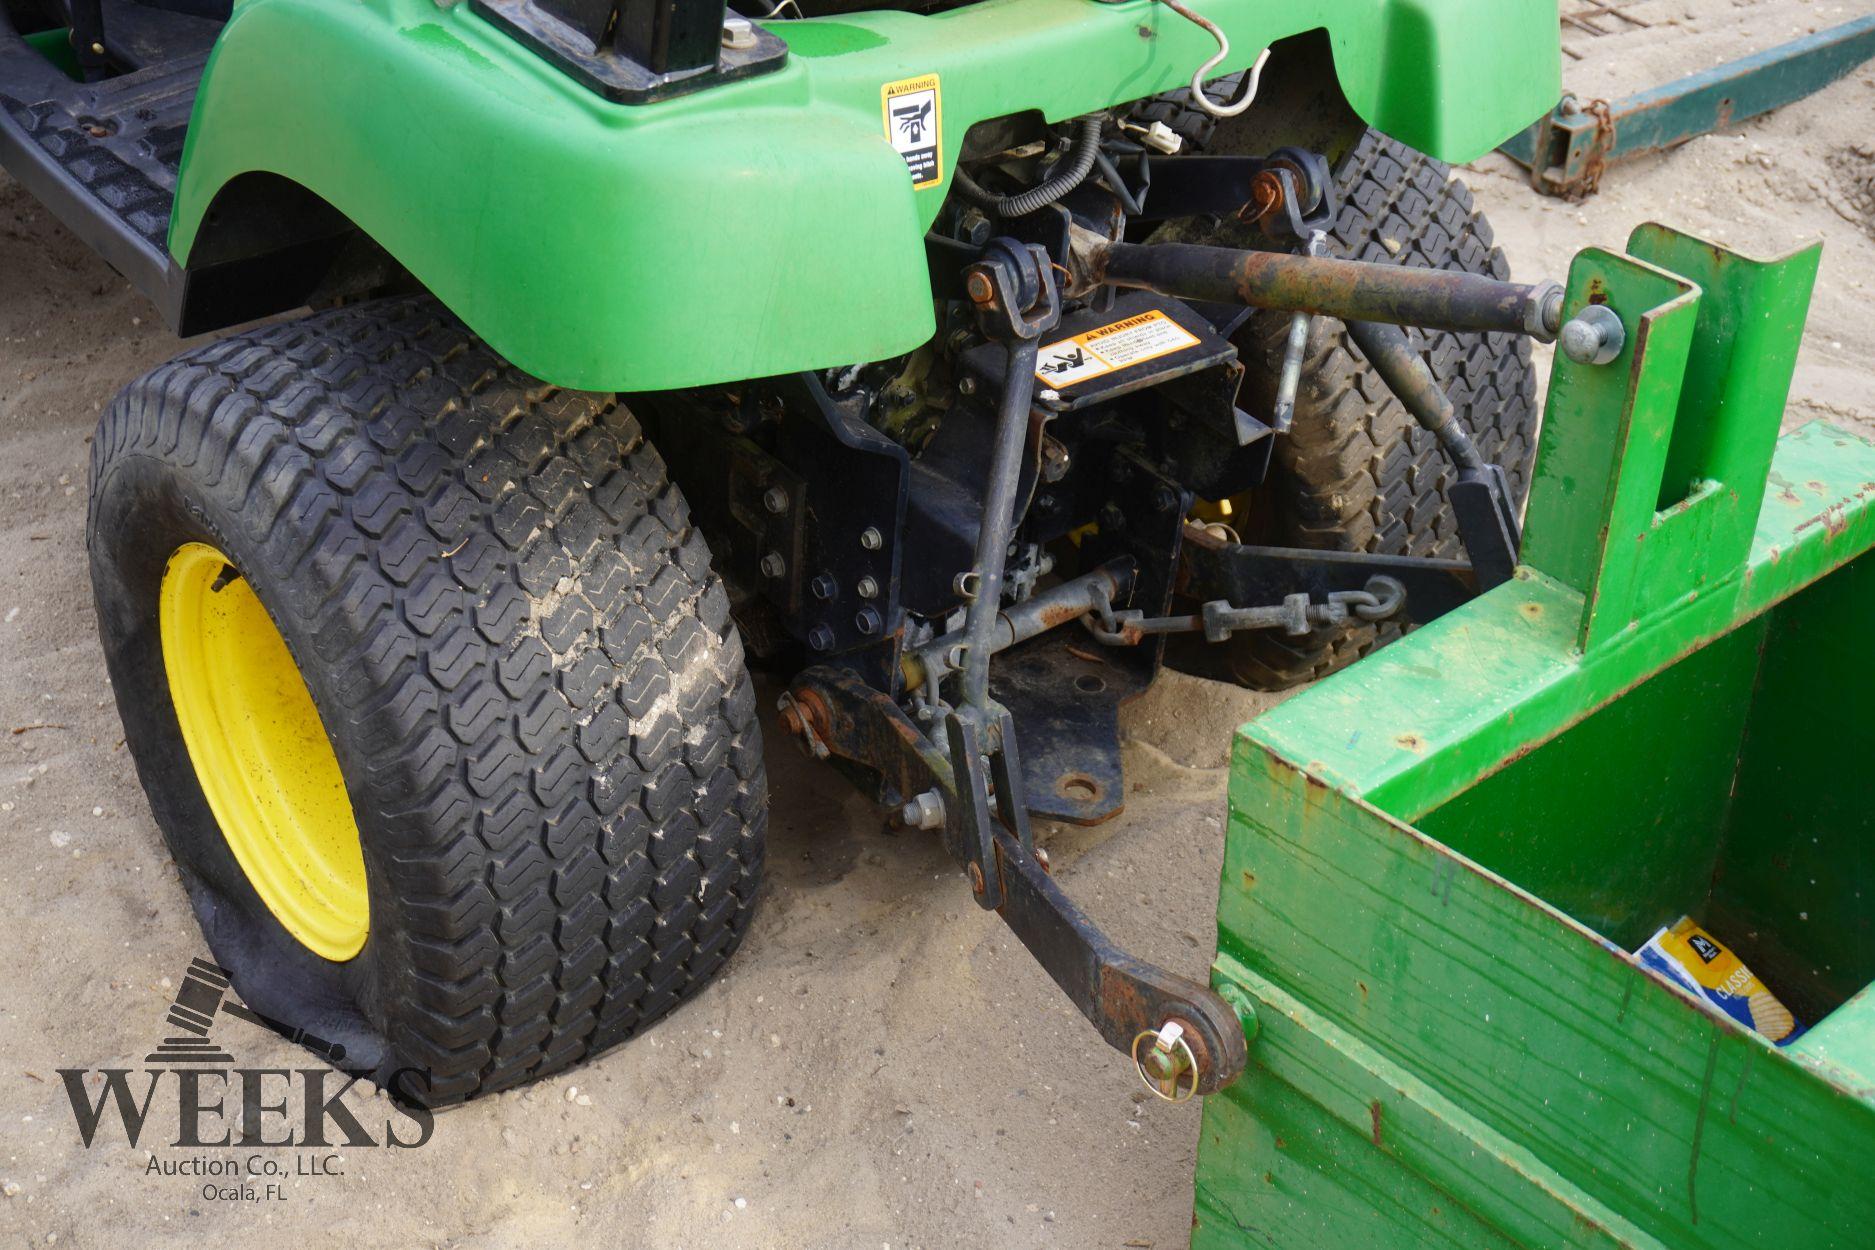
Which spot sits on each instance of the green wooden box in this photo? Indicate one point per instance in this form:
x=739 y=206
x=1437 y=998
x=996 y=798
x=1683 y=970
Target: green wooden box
x=1439 y=861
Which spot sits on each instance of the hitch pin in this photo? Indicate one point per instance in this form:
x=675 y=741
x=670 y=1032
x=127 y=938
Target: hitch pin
x=1295 y=349
x=1291 y=379
x=1166 y=1065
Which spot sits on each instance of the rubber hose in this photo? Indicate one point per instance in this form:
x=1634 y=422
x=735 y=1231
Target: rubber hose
x=1079 y=163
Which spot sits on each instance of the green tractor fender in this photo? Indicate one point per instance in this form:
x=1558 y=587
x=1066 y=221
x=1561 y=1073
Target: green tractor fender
x=758 y=226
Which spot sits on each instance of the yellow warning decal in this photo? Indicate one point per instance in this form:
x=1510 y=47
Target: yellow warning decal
x=1146 y=336
x=914 y=124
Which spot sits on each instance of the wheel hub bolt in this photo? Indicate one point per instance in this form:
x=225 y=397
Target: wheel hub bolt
x=820 y=638
x=773 y=565
x=871 y=539
x=866 y=620
x=824 y=587
x=775 y=499
x=868 y=588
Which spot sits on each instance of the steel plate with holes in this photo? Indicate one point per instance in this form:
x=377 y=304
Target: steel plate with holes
x=1065 y=693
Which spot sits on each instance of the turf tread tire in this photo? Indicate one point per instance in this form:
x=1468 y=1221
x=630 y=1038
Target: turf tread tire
x=522 y=656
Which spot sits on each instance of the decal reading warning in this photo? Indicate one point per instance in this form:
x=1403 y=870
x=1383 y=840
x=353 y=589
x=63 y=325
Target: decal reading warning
x=914 y=123
x=1132 y=341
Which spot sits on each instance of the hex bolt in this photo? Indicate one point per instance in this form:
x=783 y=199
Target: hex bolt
x=820 y=638
x=866 y=620
x=738 y=32
x=925 y=811
x=868 y=588
x=773 y=565
x=979 y=288
x=823 y=586
x=775 y=499
x=871 y=539
x=1594 y=336
x=966 y=385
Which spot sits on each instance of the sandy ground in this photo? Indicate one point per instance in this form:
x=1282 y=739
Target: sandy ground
x=882 y=1064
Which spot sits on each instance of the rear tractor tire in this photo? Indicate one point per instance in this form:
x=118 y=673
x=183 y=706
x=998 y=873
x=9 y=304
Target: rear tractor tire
x=433 y=691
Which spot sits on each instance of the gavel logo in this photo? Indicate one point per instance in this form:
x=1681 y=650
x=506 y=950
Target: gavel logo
x=204 y=992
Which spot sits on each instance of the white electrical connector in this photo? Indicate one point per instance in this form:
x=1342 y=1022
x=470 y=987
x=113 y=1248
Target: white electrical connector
x=1161 y=138
x=1199 y=99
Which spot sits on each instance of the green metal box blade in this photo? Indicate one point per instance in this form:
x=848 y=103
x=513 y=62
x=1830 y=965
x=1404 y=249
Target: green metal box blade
x=762 y=226
x=1438 y=862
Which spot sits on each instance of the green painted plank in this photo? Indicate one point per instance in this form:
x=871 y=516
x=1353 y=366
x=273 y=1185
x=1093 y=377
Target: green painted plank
x=1475 y=1186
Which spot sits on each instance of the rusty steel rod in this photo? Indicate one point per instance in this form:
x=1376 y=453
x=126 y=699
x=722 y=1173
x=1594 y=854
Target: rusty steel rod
x=1352 y=290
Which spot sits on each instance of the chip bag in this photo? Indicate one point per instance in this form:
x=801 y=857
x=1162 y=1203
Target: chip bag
x=1693 y=959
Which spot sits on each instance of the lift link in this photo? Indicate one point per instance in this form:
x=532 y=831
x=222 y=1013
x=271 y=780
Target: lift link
x=1013 y=288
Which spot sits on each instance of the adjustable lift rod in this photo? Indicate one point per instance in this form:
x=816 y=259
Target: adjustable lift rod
x=1353 y=290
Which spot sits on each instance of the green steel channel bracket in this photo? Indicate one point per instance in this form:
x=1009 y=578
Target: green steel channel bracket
x=1566 y=150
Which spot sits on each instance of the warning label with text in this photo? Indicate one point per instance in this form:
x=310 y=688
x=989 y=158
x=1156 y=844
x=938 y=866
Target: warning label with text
x=1111 y=348
x=914 y=115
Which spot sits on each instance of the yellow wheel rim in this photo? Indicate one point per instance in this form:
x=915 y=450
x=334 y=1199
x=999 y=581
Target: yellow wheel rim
x=261 y=753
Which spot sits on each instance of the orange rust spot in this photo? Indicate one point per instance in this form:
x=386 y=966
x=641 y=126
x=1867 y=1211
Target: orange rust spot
x=1249 y=879
x=1532 y=610
x=1373 y=1110
x=1411 y=742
